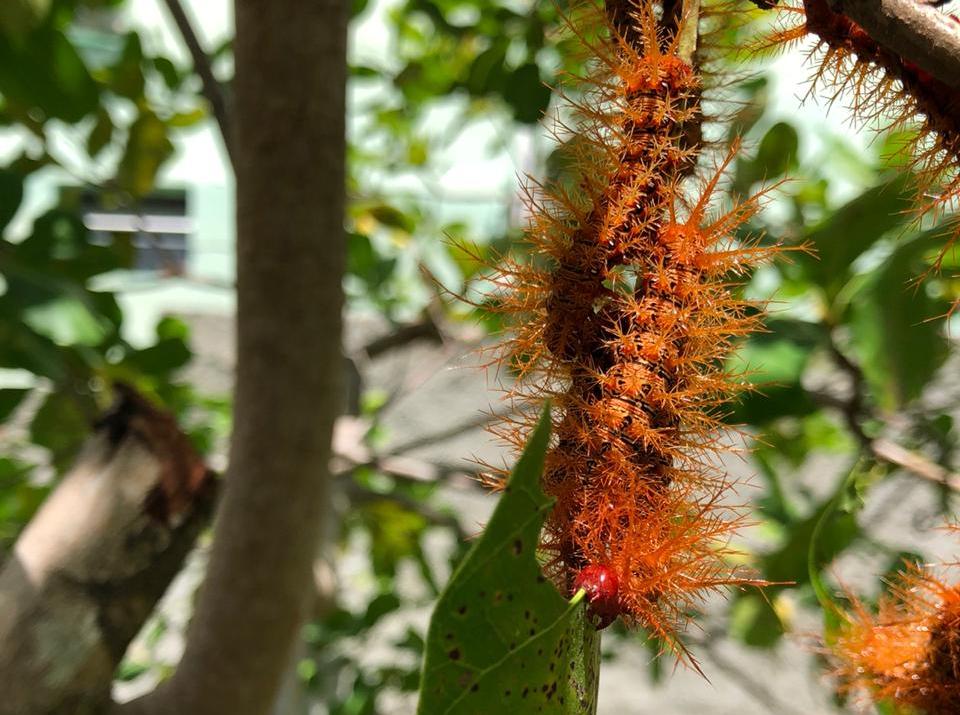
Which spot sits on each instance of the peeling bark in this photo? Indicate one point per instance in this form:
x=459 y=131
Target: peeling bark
x=90 y=567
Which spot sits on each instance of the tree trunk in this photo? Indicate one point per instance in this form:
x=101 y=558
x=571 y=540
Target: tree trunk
x=289 y=159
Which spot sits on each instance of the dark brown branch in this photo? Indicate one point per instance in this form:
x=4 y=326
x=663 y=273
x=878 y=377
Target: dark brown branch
x=212 y=89
x=424 y=330
x=916 y=31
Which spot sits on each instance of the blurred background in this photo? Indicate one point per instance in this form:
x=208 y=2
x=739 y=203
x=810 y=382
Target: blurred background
x=116 y=263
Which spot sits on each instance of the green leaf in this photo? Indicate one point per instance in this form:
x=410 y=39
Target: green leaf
x=896 y=149
x=841 y=503
x=19 y=498
x=778 y=149
x=10 y=399
x=148 y=147
x=22 y=348
x=776 y=155
x=47 y=74
x=780 y=354
x=168 y=71
x=18 y=17
x=60 y=425
x=364 y=262
x=131 y=670
x=819 y=538
x=853 y=228
x=379 y=607
x=771 y=402
x=181 y=120
x=896 y=337
x=161 y=358
x=395 y=533
x=502 y=640
x=754 y=622
x=66 y=320
x=126 y=76
x=11 y=194
x=392 y=217
x=526 y=93
x=171 y=328
x=487 y=73
x=59 y=248
x=774 y=362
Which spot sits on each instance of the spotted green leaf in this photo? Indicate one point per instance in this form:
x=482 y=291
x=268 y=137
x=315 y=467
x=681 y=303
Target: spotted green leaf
x=502 y=639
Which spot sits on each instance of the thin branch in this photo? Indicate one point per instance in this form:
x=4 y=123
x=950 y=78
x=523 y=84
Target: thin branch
x=914 y=30
x=481 y=422
x=888 y=451
x=917 y=464
x=212 y=89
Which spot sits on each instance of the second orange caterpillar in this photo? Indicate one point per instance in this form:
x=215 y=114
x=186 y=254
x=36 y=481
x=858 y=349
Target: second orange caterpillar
x=880 y=84
x=909 y=652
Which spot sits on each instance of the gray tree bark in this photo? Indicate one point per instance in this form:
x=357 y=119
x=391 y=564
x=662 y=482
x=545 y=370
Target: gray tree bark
x=289 y=150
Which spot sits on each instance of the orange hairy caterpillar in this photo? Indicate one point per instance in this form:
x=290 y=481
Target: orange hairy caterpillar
x=883 y=85
x=909 y=652
x=623 y=314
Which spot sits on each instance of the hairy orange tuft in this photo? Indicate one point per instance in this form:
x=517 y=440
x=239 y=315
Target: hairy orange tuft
x=909 y=652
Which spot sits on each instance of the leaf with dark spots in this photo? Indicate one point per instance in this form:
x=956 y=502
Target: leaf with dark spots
x=502 y=639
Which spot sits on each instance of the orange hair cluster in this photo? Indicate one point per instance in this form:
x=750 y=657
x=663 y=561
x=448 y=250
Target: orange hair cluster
x=909 y=652
x=881 y=85
x=624 y=313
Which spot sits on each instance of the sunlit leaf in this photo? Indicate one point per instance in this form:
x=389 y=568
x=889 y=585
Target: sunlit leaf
x=148 y=147
x=895 y=338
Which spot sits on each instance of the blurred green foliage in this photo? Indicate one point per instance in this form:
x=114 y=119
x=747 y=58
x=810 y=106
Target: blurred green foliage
x=853 y=350
x=57 y=328
x=852 y=354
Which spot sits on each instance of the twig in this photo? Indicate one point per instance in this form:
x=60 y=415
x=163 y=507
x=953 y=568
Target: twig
x=853 y=407
x=914 y=30
x=212 y=89
x=350 y=452
x=689 y=31
x=425 y=330
x=886 y=450
x=917 y=464
x=443 y=435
